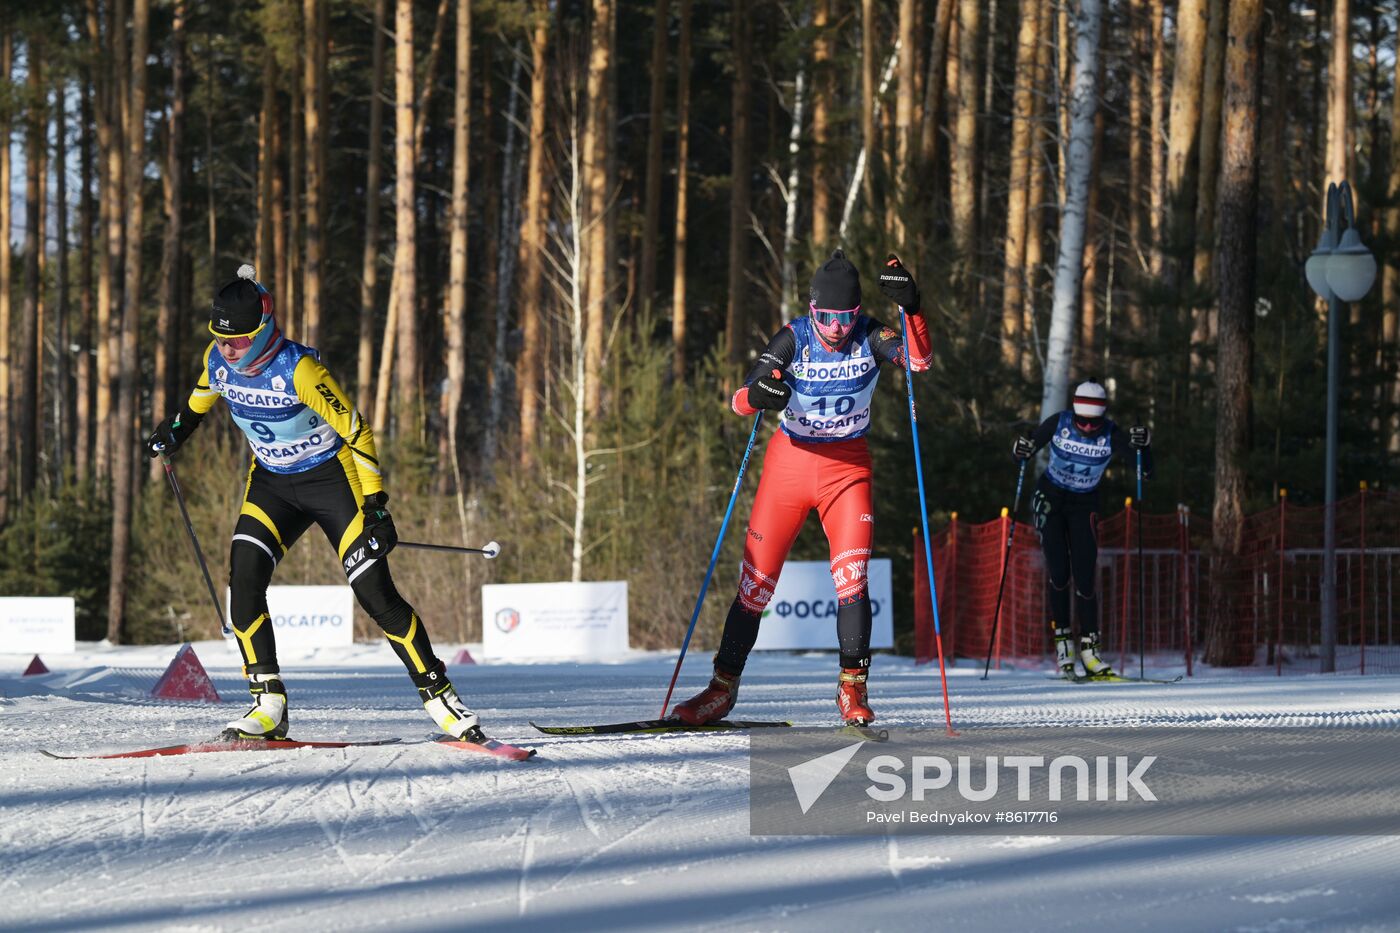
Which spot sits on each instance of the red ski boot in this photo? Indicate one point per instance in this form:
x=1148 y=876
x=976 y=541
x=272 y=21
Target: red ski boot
x=711 y=704
x=850 y=697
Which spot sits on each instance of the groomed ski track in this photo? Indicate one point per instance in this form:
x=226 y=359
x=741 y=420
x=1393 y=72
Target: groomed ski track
x=605 y=832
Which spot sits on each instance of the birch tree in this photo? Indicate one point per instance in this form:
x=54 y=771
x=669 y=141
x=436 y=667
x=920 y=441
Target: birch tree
x=1069 y=263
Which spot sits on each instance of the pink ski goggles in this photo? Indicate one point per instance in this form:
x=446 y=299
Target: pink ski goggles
x=833 y=323
x=236 y=343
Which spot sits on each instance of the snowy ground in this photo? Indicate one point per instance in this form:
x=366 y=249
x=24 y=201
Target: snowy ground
x=602 y=833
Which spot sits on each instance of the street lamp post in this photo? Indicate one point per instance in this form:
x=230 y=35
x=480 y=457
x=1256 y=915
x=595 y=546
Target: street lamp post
x=1340 y=270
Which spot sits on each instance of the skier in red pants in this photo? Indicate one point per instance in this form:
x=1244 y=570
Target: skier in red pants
x=820 y=372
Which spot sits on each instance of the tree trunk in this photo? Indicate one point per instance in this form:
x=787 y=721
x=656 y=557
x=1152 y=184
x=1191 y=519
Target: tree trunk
x=314 y=50
x=1183 y=129
x=369 y=259
x=651 y=208
x=27 y=356
x=822 y=96
x=1157 y=211
x=1086 y=355
x=282 y=286
x=64 y=420
x=507 y=244
x=736 y=318
x=678 y=277
x=162 y=397
x=82 y=451
x=964 y=155
x=291 y=311
x=124 y=437
x=1022 y=115
x=1208 y=177
x=868 y=79
x=533 y=243
x=456 y=362
x=904 y=122
x=407 y=405
x=1338 y=161
x=1069 y=264
x=1235 y=273
x=1042 y=142
x=598 y=252
x=934 y=86
x=267 y=167
x=7 y=54
x=1390 y=273
x=110 y=263
x=1139 y=44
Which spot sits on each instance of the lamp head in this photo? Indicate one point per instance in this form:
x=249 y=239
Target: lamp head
x=1351 y=269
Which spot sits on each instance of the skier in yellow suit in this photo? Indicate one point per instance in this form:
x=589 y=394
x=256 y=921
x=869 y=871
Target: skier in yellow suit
x=314 y=461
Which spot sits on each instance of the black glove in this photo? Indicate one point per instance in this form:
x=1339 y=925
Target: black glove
x=171 y=433
x=898 y=285
x=1023 y=449
x=380 y=535
x=770 y=391
x=1139 y=436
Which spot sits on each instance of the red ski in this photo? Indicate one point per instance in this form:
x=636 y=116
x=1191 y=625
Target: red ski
x=489 y=747
x=219 y=745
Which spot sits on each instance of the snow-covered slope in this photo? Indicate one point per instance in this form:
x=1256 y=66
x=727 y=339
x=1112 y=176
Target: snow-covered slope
x=601 y=833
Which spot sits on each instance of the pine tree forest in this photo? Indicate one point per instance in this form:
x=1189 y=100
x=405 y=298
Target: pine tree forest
x=540 y=244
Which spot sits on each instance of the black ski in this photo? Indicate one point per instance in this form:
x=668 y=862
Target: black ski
x=657 y=727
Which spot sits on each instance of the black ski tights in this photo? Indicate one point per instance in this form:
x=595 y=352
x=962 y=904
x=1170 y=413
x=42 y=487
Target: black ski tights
x=741 y=632
x=1069 y=538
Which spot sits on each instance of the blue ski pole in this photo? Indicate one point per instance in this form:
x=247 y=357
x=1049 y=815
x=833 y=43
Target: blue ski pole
x=923 y=515
x=714 y=556
x=1142 y=599
x=1005 y=563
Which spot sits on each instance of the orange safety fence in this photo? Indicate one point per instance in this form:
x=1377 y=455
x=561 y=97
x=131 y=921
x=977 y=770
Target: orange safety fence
x=1262 y=607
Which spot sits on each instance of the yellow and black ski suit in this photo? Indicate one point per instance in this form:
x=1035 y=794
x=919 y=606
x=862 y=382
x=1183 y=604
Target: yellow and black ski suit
x=314 y=461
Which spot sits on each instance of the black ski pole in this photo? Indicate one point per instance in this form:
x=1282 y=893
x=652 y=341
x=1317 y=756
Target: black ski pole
x=1005 y=564
x=489 y=551
x=1142 y=599
x=189 y=526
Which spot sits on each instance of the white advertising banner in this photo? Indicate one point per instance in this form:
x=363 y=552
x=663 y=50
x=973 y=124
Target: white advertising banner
x=802 y=613
x=38 y=625
x=554 y=620
x=310 y=616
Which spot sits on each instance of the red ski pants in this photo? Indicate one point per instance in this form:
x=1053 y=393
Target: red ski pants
x=834 y=479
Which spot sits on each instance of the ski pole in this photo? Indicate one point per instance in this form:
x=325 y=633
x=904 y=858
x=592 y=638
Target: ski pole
x=189 y=526
x=1005 y=564
x=1142 y=599
x=489 y=551
x=714 y=556
x=923 y=514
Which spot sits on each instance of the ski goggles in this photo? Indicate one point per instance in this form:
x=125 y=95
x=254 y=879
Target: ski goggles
x=237 y=343
x=825 y=318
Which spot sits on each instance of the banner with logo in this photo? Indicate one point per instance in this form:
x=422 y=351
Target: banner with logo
x=554 y=620
x=38 y=624
x=309 y=616
x=802 y=613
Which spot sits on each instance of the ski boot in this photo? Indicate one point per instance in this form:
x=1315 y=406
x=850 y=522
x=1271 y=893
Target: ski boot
x=452 y=715
x=851 y=699
x=711 y=704
x=1095 y=667
x=268 y=717
x=1064 y=653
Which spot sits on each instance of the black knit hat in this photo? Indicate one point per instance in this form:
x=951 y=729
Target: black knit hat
x=237 y=310
x=836 y=284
